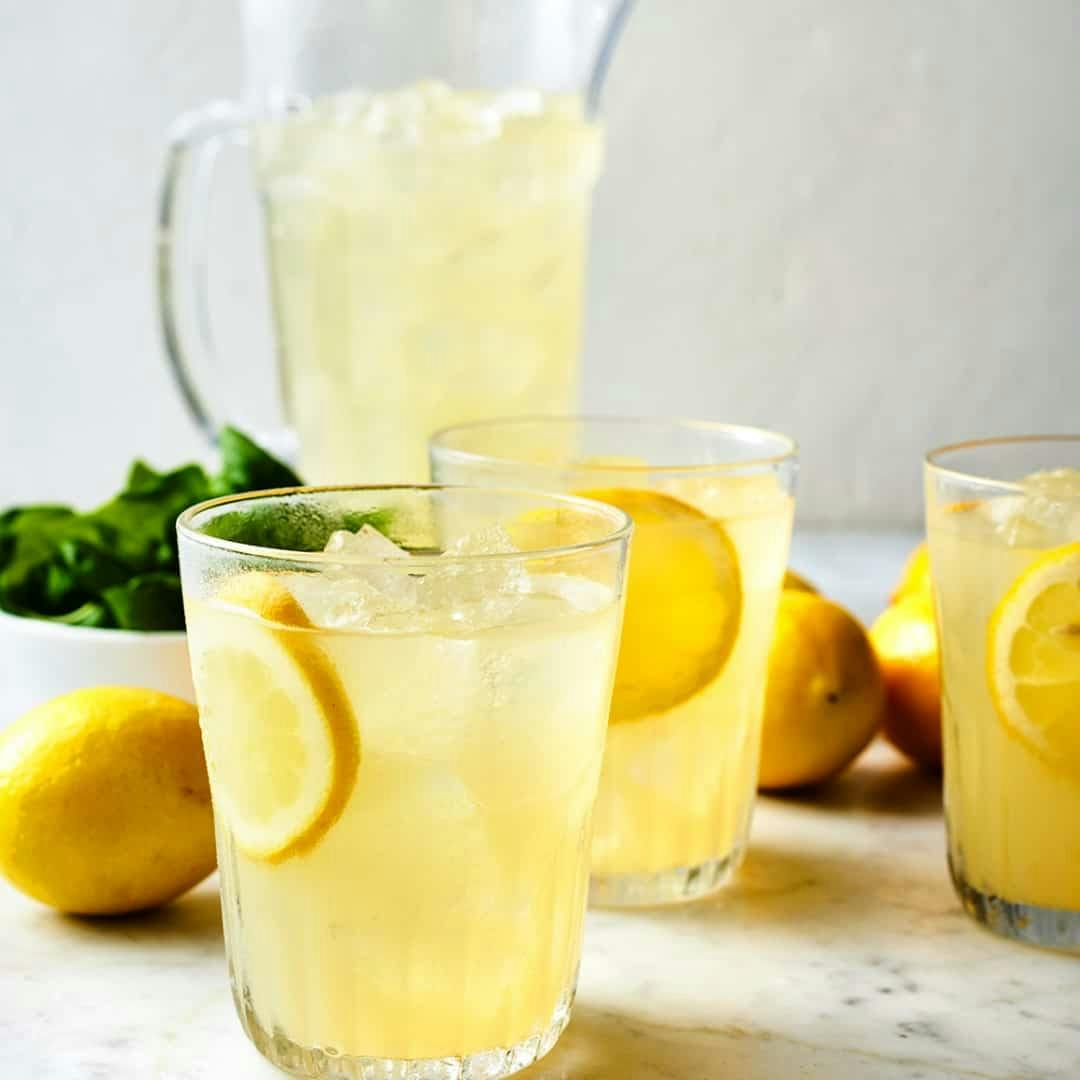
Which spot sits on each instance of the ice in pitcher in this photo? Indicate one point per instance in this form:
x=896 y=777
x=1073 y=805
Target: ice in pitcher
x=427 y=251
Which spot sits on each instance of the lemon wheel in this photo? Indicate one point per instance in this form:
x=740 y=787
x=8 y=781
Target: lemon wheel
x=1033 y=657
x=281 y=737
x=683 y=603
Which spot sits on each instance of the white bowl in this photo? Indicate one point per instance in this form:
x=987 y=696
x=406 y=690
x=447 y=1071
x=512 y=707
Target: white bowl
x=40 y=660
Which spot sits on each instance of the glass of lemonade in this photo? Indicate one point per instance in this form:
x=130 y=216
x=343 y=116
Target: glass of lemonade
x=425 y=170
x=712 y=506
x=1003 y=523
x=403 y=695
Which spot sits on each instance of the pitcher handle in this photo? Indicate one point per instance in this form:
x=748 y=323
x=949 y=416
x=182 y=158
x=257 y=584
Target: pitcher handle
x=195 y=143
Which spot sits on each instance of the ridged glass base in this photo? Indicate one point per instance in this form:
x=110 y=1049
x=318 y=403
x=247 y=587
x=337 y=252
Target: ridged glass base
x=313 y=1061
x=1051 y=928
x=665 y=887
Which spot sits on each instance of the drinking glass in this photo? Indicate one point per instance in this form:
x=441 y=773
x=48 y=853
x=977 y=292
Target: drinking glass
x=425 y=171
x=712 y=506
x=1003 y=524
x=403 y=695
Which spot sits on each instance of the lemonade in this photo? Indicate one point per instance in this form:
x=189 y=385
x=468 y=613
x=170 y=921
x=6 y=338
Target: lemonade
x=677 y=785
x=707 y=562
x=403 y=758
x=427 y=252
x=1006 y=571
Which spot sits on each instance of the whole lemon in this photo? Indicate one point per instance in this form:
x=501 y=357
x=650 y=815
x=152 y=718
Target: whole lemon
x=905 y=638
x=915 y=576
x=795 y=581
x=104 y=801
x=824 y=698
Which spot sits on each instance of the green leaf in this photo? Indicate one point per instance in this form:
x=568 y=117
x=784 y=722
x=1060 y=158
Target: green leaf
x=245 y=466
x=355 y=520
x=291 y=528
x=33 y=578
x=118 y=565
x=147 y=602
x=92 y=613
x=142 y=518
x=25 y=520
x=91 y=567
x=59 y=591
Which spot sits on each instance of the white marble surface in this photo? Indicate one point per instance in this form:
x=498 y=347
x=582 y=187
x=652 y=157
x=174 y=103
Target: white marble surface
x=840 y=952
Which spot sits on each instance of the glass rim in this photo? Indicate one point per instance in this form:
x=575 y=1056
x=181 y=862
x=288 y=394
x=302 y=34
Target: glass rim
x=789 y=453
x=621 y=522
x=932 y=459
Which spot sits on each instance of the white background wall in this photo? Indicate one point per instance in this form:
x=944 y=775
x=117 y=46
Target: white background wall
x=851 y=219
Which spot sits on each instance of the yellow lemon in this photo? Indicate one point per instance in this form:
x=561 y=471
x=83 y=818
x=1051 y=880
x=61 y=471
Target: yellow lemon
x=281 y=737
x=905 y=639
x=104 y=801
x=1033 y=657
x=824 y=698
x=683 y=603
x=797 y=582
x=915 y=577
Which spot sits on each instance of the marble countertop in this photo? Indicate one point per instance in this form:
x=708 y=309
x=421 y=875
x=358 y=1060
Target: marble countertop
x=839 y=952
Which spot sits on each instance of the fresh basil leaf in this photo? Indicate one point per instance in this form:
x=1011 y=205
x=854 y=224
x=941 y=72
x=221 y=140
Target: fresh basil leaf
x=91 y=567
x=23 y=520
x=291 y=528
x=142 y=518
x=92 y=613
x=355 y=520
x=59 y=592
x=147 y=602
x=245 y=466
x=32 y=578
x=118 y=565
x=142 y=479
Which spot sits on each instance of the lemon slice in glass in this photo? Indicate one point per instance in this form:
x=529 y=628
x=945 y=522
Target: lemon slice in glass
x=282 y=742
x=1033 y=657
x=683 y=603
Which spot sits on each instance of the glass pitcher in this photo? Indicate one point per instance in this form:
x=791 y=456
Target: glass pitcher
x=425 y=170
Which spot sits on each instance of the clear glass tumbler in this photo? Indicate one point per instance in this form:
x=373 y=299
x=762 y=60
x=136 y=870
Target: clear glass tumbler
x=403 y=695
x=712 y=506
x=1003 y=523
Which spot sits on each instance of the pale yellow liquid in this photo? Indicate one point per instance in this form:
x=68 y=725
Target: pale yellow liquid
x=427 y=252
x=677 y=788
x=441 y=915
x=1013 y=820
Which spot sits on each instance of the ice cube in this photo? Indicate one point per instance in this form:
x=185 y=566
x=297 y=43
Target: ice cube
x=580 y=593
x=490 y=540
x=1047 y=511
x=363 y=588
x=1058 y=484
x=470 y=590
x=337 y=600
x=367 y=543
